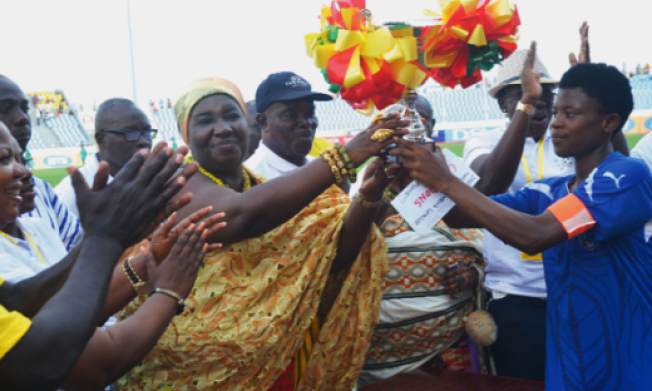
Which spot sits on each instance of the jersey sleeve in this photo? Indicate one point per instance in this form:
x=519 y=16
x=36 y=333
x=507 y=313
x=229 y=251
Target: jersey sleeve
x=525 y=200
x=614 y=200
x=13 y=327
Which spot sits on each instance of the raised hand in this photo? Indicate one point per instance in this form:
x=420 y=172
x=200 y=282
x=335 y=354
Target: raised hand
x=169 y=231
x=584 y=55
x=124 y=209
x=179 y=270
x=377 y=176
x=362 y=147
x=530 y=79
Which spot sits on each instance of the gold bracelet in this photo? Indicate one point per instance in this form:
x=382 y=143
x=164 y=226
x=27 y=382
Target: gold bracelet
x=368 y=204
x=338 y=167
x=527 y=109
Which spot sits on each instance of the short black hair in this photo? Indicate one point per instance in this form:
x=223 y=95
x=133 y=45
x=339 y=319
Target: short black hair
x=604 y=83
x=103 y=119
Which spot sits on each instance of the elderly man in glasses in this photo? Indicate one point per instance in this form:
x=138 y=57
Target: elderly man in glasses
x=121 y=129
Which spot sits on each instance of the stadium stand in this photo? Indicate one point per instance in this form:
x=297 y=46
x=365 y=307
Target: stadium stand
x=450 y=106
x=69 y=130
x=66 y=128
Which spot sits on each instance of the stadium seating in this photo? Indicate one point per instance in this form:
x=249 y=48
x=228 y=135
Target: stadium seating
x=69 y=130
x=450 y=106
x=35 y=142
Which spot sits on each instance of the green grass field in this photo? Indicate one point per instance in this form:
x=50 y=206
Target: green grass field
x=54 y=175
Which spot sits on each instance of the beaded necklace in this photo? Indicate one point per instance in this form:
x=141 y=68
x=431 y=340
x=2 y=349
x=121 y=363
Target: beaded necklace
x=246 y=179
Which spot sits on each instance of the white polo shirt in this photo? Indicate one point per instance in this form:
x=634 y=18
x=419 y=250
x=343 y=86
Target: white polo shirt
x=506 y=270
x=270 y=165
x=21 y=260
x=66 y=192
x=643 y=150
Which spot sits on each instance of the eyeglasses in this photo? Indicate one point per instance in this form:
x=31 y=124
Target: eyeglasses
x=133 y=135
x=547 y=96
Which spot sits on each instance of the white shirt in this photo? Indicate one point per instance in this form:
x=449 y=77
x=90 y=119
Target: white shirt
x=21 y=260
x=66 y=192
x=505 y=271
x=643 y=150
x=50 y=208
x=270 y=165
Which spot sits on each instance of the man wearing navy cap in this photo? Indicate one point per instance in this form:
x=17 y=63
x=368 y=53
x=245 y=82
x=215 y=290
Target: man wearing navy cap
x=285 y=104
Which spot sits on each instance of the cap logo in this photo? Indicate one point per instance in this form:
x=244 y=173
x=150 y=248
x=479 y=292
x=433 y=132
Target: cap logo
x=296 y=81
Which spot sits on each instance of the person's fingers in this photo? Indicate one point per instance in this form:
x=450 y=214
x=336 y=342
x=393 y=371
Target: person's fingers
x=79 y=184
x=210 y=231
x=101 y=177
x=572 y=59
x=130 y=170
x=537 y=77
x=200 y=258
x=214 y=246
x=155 y=151
x=529 y=58
x=195 y=236
x=164 y=196
x=182 y=240
x=167 y=226
x=193 y=218
x=406 y=144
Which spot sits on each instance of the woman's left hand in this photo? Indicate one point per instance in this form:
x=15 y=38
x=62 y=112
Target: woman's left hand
x=460 y=279
x=377 y=176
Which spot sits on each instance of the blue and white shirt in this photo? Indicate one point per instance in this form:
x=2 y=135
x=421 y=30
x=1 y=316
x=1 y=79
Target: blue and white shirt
x=50 y=208
x=599 y=323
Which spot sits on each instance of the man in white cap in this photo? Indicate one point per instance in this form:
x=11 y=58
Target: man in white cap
x=506 y=161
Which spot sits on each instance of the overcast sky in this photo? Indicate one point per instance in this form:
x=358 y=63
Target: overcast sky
x=82 y=46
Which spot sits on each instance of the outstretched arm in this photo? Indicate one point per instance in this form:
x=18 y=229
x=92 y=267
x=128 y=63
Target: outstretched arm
x=114 y=351
x=498 y=168
x=268 y=205
x=28 y=296
x=530 y=234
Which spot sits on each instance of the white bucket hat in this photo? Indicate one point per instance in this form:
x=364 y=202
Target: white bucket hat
x=510 y=72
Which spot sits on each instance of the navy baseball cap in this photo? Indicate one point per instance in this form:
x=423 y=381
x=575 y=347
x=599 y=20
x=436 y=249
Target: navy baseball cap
x=284 y=86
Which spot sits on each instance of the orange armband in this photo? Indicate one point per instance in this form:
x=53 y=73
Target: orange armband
x=573 y=215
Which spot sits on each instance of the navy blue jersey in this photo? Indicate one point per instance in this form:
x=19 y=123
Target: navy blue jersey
x=599 y=282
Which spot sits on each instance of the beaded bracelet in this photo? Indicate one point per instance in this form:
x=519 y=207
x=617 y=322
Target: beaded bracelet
x=136 y=282
x=349 y=164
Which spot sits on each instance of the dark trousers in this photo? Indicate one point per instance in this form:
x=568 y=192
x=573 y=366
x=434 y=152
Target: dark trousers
x=520 y=350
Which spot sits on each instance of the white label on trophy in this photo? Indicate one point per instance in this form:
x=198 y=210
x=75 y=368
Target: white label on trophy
x=422 y=207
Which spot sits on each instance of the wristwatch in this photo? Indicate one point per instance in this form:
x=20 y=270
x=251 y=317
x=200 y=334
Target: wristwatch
x=527 y=109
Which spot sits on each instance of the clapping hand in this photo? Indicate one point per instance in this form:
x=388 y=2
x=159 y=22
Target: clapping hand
x=584 y=56
x=530 y=79
x=169 y=231
x=123 y=210
x=185 y=254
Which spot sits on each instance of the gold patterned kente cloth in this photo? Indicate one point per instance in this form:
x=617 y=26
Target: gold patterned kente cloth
x=253 y=302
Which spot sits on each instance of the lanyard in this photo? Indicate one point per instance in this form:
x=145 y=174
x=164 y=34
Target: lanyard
x=29 y=238
x=526 y=167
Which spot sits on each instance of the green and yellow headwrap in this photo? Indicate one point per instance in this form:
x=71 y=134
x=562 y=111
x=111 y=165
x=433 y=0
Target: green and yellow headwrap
x=197 y=91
